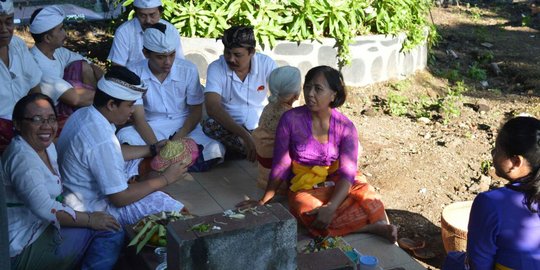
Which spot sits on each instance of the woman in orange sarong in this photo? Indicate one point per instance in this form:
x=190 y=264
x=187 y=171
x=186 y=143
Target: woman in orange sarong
x=316 y=152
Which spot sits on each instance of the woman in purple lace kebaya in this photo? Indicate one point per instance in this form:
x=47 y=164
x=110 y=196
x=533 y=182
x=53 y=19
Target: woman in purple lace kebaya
x=316 y=154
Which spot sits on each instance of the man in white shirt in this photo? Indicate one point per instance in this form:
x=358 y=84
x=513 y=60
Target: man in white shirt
x=69 y=90
x=19 y=73
x=91 y=158
x=4 y=249
x=236 y=91
x=172 y=106
x=127 y=46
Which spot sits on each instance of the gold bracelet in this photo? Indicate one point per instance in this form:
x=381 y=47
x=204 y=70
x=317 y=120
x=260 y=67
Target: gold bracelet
x=166 y=179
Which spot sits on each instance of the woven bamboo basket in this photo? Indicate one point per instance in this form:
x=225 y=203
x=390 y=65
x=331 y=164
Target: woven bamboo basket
x=454 y=222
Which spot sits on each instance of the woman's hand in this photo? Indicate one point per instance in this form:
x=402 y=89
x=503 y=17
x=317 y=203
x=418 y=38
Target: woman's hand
x=102 y=221
x=248 y=204
x=325 y=214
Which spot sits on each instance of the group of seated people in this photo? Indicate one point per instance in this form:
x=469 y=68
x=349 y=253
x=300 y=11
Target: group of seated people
x=73 y=181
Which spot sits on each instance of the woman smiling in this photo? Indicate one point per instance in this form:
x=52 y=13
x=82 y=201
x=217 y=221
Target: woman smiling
x=38 y=222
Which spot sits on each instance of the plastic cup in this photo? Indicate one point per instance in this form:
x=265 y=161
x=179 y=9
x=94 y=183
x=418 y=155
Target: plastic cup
x=369 y=263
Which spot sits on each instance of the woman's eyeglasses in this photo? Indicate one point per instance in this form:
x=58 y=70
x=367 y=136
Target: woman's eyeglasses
x=40 y=120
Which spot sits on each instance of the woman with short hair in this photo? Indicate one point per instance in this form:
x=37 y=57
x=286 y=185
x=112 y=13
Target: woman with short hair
x=43 y=232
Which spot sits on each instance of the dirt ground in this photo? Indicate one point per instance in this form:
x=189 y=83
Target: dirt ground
x=422 y=164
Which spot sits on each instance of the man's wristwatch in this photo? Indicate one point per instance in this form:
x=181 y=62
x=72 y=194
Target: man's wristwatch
x=153 y=150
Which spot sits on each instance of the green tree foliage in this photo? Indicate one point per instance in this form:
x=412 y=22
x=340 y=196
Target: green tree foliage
x=300 y=20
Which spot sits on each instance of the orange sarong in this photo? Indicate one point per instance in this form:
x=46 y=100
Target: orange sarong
x=361 y=207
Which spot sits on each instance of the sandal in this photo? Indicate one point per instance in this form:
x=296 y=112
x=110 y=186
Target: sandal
x=409 y=244
x=417 y=248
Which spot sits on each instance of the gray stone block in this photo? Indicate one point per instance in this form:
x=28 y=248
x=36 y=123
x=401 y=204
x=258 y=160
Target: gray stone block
x=200 y=62
x=293 y=49
x=304 y=66
x=377 y=68
x=356 y=71
x=391 y=42
x=362 y=42
x=327 y=56
x=263 y=241
x=282 y=63
x=393 y=65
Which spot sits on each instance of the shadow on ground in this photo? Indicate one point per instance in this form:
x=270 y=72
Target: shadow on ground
x=477 y=36
x=415 y=226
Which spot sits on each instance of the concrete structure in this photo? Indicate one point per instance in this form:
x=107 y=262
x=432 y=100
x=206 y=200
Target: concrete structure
x=263 y=239
x=375 y=58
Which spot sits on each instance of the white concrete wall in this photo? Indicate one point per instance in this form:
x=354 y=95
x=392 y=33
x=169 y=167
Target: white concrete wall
x=375 y=58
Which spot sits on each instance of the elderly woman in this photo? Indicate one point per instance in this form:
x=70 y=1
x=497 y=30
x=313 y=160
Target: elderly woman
x=42 y=231
x=316 y=152
x=285 y=83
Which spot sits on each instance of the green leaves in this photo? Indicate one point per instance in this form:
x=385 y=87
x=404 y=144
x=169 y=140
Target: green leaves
x=300 y=20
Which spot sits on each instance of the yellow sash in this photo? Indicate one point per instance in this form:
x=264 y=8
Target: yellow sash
x=305 y=177
x=499 y=266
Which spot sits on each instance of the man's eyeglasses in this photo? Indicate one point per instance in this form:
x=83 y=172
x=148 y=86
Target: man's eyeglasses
x=40 y=120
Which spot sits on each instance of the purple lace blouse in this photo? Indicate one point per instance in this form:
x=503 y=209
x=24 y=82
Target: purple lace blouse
x=294 y=141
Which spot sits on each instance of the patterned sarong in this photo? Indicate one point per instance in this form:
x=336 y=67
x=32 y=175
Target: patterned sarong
x=216 y=131
x=361 y=207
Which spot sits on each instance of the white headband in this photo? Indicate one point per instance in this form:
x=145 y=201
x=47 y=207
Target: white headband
x=48 y=18
x=121 y=90
x=160 y=42
x=147 y=3
x=6 y=7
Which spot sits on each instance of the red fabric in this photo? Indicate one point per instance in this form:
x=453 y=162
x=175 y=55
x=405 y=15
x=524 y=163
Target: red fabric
x=361 y=207
x=144 y=166
x=73 y=75
x=6 y=134
x=265 y=162
x=190 y=154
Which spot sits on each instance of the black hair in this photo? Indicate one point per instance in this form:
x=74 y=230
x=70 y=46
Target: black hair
x=159 y=26
x=20 y=107
x=101 y=98
x=335 y=81
x=38 y=38
x=239 y=37
x=520 y=136
x=116 y=72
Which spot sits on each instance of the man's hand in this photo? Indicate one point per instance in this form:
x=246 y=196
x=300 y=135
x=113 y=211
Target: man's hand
x=175 y=172
x=160 y=145
x=249 y=144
